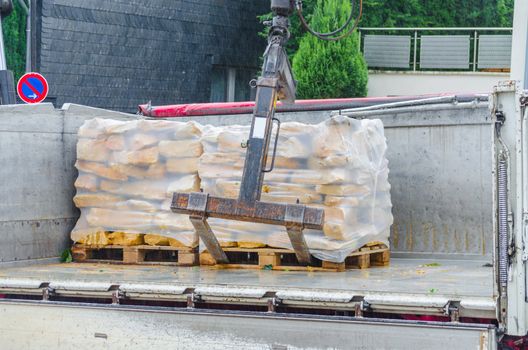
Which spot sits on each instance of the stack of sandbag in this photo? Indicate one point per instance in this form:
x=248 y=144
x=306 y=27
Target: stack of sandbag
x=339 y=165
x=128 y=171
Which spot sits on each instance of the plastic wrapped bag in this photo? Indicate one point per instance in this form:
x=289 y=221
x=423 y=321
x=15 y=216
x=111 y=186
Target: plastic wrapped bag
x=128 y=171
x=338 y=165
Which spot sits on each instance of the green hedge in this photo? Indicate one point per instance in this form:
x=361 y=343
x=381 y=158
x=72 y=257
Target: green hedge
x=335 y=70
x=419 y=13
x=14 y=28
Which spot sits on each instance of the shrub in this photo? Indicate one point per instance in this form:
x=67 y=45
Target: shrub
x=14 y=28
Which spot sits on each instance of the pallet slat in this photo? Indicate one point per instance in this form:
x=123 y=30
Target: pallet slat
x=136 y=255
x=273 y=259
x=242 y=258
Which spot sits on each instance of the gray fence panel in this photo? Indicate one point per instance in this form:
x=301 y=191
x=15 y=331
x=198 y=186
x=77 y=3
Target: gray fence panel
x=387 y=51
x=444 y=51
x=494 y=51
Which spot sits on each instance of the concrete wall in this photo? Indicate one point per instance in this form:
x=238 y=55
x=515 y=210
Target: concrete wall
x=384 y=83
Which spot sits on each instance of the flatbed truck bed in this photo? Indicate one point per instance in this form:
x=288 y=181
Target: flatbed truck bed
x=411 y=279
x=440 y=290
x=137 y=306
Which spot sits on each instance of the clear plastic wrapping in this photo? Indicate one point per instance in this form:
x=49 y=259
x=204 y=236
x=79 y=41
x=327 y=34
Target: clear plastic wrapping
x=129 y=170
x=339 y=165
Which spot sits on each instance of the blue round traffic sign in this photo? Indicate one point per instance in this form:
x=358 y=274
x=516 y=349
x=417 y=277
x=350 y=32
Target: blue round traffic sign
x=32 y=88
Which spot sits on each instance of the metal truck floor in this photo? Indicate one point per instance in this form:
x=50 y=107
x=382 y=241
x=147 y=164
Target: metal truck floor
x=408 y=286
x=415 y=276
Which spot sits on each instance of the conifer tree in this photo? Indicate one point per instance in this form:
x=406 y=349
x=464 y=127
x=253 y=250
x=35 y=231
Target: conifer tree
x=330 y=69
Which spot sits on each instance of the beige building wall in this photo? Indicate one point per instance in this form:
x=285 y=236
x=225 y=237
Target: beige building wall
x=385 y=83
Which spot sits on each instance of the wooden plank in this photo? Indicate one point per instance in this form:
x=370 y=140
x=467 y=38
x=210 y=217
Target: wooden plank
x=133 y=256
x=80 y=254
x=363 y=261
x=375 y=254
x=259 y=250
x=187 y=259
x=381 y=258
x=269 y=259
x=206 y=259
x=274 y=268
x=142 y=247
x=136 y=255
x=333 y=265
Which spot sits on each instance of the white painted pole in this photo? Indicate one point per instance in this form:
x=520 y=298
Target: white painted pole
x=3 y=64
x=519 y=66
x=27 y=11
x=28 y=41
x=415 y=49
x=231 y=81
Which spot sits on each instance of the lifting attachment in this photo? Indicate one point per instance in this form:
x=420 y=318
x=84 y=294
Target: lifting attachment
x=276 y=83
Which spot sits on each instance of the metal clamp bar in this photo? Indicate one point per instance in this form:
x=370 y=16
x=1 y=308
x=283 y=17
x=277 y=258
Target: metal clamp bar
x=294 y=214
x=453 y=312
x=192 y=299
x=294 y=218
x=47 y=293
x=268 y=82
x=117 y=295
x=207 y=236
x=299 y=245
x=273 y=303
x=258 y=212
x=274 y=147
x=198 y=203
x=358 y=310
x=524 y=101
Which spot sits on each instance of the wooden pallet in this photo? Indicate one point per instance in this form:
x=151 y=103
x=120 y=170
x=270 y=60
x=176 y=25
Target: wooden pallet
x=137 y=255
x=285 y=260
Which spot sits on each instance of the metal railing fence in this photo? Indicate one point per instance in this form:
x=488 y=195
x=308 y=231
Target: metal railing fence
x=444 y=49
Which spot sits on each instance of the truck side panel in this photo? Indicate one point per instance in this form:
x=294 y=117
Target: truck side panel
x=37 y=153
x=440 y=163
x=88 y=327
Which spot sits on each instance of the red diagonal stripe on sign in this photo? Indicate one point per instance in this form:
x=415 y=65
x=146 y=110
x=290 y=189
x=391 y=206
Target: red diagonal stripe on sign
x=32 y=88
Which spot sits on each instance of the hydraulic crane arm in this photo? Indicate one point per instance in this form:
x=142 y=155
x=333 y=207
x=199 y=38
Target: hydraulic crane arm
x=276 y=83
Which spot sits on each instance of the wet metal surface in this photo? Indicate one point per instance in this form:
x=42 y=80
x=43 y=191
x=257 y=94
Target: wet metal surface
x=405 y=276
